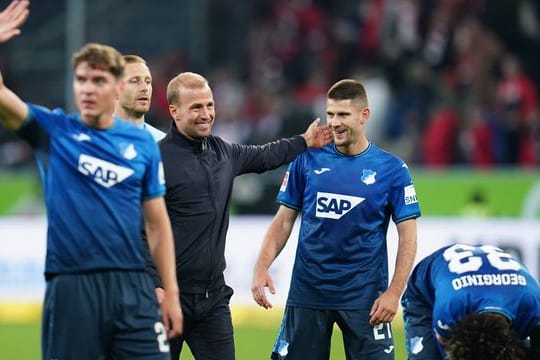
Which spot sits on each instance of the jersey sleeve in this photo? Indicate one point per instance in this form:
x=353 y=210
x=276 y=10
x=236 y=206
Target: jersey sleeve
x=40 y=124
x=52 y=121
x=403 y=198
x=292 y=187
x=154 y=180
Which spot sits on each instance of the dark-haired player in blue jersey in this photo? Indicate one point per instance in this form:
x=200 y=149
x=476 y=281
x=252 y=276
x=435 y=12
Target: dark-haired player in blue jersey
x=346 y=192
x=472 y=302
x=97 y=172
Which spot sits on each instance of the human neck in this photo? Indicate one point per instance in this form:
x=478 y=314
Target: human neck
x=355 y=148
x=98 y=122
x=135 y=118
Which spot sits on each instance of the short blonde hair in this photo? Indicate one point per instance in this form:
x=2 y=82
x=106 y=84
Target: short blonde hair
x=133 y=59
x=187 y=80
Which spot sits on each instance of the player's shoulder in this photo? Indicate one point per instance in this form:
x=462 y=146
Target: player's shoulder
x=327 y=150
x=42 y=111
x=384 y=154
x=125 y=131
x=156 y=133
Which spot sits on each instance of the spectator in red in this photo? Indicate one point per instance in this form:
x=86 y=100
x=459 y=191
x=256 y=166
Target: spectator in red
x=439 y=140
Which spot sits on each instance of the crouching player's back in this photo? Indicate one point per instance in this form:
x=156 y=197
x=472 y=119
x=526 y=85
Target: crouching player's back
x=472 y=302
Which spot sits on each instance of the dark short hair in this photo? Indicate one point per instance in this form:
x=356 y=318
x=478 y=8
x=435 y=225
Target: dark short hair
x=102 y=57
x=484 y=336
x=348 y=89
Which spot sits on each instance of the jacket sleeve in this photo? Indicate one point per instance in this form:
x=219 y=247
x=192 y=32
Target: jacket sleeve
x=261 y=158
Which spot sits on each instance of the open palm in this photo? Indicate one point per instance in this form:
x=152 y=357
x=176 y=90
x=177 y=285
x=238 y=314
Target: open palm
x=12 y=18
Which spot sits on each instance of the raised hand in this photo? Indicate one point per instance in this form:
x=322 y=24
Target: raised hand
x=12 y=18
x=317 y=135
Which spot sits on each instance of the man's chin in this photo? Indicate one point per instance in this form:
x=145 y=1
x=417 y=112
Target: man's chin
x=205 y=133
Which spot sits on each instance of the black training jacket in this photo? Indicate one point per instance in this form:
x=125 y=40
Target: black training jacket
x=199 y=177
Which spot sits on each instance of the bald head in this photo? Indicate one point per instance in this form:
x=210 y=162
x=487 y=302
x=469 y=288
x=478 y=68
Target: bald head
x=185 y=80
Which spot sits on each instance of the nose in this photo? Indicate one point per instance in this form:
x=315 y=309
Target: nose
x=88 y=87
x=146 y=86
x=205 y=113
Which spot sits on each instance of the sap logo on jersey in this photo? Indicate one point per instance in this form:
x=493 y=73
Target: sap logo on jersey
x=410 y=195
x=104 y=173
x=334 y=206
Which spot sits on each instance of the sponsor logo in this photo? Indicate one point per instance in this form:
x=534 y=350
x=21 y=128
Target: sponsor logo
x=284 y=182
x=161 y=174
x=416 y=344
x=389 y=349
x=410 y=195
x=283 y=348
x=368 y=177
x=81 y=137
x=334 y=206
x=321 y=170
x=129 y=152
x=103 y=172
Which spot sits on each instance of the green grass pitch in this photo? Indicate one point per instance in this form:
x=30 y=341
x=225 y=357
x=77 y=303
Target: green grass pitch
x=253 y=342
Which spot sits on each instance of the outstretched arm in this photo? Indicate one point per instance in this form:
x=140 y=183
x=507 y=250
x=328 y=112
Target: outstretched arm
x=11 y=19
x=160 y=241
x=385 y=306
x=275 y=239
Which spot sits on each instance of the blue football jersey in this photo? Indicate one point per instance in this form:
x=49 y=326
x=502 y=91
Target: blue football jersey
x=462 y=279
x=94 y=184
x=155 y=132
x=346 y=203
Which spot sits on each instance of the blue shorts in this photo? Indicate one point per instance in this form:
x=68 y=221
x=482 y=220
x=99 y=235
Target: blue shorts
x=420 y=339
x=307 y=333
x=103 y=315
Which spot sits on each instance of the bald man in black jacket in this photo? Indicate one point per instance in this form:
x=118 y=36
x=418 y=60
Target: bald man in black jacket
x=199 y=171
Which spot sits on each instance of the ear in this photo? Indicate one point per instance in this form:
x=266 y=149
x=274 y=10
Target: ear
x=364 y=115
x=120 y=84
x=173 y=111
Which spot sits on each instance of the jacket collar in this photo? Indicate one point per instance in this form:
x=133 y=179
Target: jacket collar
x=198 y=146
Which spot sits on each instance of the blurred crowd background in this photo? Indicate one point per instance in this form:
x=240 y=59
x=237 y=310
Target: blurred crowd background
x=452 y=83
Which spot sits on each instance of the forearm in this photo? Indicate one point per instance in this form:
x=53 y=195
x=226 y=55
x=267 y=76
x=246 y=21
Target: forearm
x=162 y=251
x=276 y=237
x=160 y=242
x=274 y=241
x=13 y=111
x=405 y=256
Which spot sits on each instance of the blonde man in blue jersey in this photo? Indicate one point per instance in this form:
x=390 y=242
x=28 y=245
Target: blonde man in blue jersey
x=347 y=193
x=98 y=171
x=136 y=97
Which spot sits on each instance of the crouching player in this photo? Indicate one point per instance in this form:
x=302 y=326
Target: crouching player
x=472 y=302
